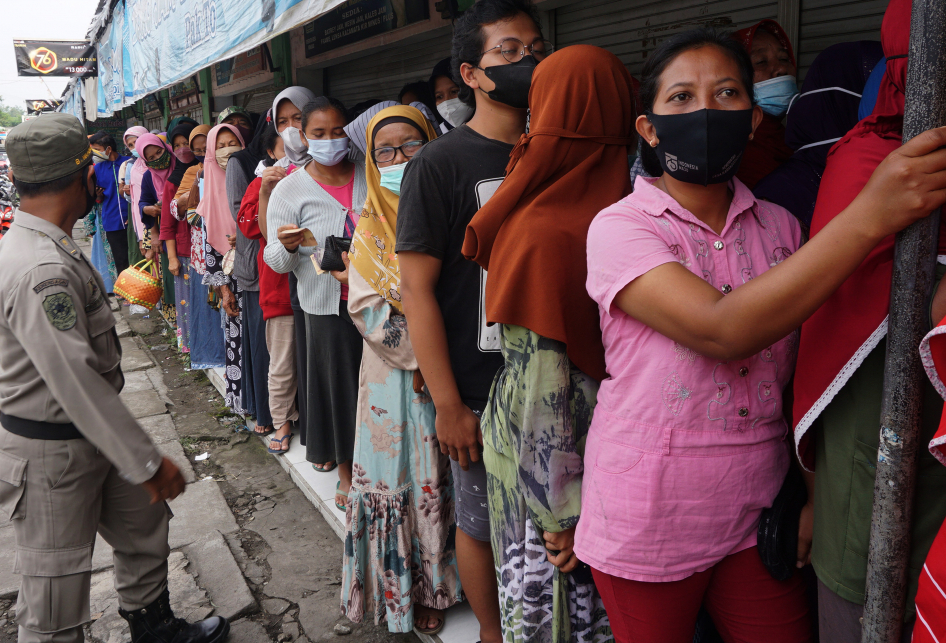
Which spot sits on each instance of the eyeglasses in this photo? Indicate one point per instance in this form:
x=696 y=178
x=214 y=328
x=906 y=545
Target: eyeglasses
x=513 y=49
x=387 y=154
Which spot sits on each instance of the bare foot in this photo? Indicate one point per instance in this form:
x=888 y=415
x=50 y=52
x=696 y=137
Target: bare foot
x=276 y=441
x=427 y=619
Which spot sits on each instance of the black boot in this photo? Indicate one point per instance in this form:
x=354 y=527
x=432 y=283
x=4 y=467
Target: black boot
x=156 y=623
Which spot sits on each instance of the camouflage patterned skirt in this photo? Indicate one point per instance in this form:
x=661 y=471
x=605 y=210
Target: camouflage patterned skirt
x=533 y=431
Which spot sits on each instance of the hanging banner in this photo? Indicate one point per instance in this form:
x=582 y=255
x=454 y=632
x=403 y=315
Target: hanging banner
x=39 y=105
x=359 y=19
x=111 y=51
x=169 y=40
x=74 y=59
x=72 y=102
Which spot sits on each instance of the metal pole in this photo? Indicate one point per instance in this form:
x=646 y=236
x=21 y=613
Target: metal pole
x=901 y=407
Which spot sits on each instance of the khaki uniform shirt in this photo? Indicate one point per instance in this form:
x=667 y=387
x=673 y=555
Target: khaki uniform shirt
x=59 y=353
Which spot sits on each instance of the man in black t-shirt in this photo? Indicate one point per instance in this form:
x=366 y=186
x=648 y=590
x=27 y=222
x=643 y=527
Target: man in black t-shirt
x=444 y=185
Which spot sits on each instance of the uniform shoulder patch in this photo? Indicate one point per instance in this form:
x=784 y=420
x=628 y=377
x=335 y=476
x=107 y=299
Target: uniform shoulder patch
x=49 y=283
x=60 y=310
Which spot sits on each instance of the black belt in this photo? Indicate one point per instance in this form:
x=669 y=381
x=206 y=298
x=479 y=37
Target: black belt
x=36 y=430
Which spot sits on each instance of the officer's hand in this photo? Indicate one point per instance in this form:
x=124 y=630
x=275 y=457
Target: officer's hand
x=166 y=484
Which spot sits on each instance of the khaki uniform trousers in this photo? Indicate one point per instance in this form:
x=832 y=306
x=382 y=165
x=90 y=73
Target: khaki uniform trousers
x=58 y=494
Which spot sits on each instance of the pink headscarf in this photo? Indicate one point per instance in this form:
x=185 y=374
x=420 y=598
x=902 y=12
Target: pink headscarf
x=134 y=179
x=158 y=177
x=214 y=207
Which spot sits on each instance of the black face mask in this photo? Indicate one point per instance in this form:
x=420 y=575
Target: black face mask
x=512 y=82
x=704 y=146
x=200 y=159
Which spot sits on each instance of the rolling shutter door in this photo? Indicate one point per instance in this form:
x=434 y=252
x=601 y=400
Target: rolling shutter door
x=257 y=100
x=631 y=30
x=381 y=74
x=827 y=22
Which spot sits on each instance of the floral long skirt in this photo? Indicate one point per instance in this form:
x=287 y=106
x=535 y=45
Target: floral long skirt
x=400 y=524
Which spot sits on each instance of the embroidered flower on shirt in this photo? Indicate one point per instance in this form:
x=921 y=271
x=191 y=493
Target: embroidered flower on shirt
x=684 y=353
x=680 y=253
x=779 y=255
x=675 y=393
x=769 y=222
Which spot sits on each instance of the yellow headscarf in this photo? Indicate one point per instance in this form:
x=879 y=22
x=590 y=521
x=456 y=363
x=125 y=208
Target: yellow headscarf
x=372 y=253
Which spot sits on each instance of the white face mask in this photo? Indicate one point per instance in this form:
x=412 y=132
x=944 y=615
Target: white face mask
x=329 y=151
x=455 y=111
x=296 y=150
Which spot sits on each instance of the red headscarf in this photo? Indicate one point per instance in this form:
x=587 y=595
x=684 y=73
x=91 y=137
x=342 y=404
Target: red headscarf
x=531 y=235
x=767 y=149
x=847 y=327
x=746 y=36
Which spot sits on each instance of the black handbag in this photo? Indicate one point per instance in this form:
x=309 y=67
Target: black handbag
x=778 y=527
x=332 y=249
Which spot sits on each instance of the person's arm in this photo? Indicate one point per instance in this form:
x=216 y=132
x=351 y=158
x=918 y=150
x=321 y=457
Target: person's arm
x=908 y=185
x=458 y=428
x=248 y=221
x=236 y=183
x=281 y=255
x=271 y=177
x=380 y=323
x=168 y=228
x=60 y=340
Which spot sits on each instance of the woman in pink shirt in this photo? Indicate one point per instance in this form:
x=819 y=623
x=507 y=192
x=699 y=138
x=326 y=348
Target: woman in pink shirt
x=701 y=289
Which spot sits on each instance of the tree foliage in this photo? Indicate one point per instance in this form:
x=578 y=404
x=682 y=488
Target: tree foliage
x=9 y=115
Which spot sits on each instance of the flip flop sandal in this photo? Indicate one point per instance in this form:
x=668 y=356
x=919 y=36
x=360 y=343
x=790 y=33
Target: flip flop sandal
x=433 y=630
x=264 y=433
x=321 y=467
x=281 y=440
x=337 y=494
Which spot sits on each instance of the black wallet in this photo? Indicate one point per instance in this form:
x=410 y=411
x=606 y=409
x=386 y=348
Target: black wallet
x=332 y=251
x=778 y=527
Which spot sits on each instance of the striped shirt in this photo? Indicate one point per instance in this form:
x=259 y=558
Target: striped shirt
x=300 y=200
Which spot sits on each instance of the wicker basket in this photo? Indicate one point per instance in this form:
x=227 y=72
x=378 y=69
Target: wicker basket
x=140 y=284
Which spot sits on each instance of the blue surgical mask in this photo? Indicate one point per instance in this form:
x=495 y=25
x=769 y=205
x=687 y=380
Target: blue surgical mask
x=775 y=95
x=391 y=177
x=134 y=153
x=329 y=151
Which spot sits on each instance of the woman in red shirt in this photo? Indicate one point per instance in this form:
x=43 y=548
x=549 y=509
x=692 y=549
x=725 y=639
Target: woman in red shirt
x=274 y=293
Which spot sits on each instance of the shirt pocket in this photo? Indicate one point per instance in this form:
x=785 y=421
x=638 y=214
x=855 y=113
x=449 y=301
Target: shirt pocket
x=615 y=458
x=12 y=486
x=103 y=339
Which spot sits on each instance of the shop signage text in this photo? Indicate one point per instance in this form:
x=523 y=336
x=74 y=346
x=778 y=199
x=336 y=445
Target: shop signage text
x=359 y=19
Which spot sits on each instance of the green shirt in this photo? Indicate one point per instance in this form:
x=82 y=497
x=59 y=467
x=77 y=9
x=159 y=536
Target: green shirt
x=846 y=437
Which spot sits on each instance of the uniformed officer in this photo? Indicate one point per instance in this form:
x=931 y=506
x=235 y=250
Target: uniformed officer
x=73 y=460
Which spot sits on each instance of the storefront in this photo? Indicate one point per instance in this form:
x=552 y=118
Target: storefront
x=184 y=100
x=248 y=80
x=371 y=49
x=351 y=55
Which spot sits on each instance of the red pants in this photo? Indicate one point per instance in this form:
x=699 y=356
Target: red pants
x=746 y=603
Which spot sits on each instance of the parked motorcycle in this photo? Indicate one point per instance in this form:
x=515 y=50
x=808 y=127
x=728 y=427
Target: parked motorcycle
x=8 y=204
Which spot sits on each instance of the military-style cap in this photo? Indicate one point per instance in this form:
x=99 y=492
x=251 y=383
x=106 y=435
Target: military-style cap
x=47 y=148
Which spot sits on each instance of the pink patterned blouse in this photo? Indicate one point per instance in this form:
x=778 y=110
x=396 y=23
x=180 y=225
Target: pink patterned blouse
x=684 y=451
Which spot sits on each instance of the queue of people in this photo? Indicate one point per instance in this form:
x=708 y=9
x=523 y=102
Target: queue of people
x=552 y=324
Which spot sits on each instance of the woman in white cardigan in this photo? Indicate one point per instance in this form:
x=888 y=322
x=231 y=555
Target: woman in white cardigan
x=325 y=198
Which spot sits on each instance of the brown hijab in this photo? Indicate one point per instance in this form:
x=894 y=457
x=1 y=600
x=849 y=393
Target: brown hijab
x=571 y=165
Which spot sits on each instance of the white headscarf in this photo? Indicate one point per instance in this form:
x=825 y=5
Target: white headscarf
x=296 y=150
